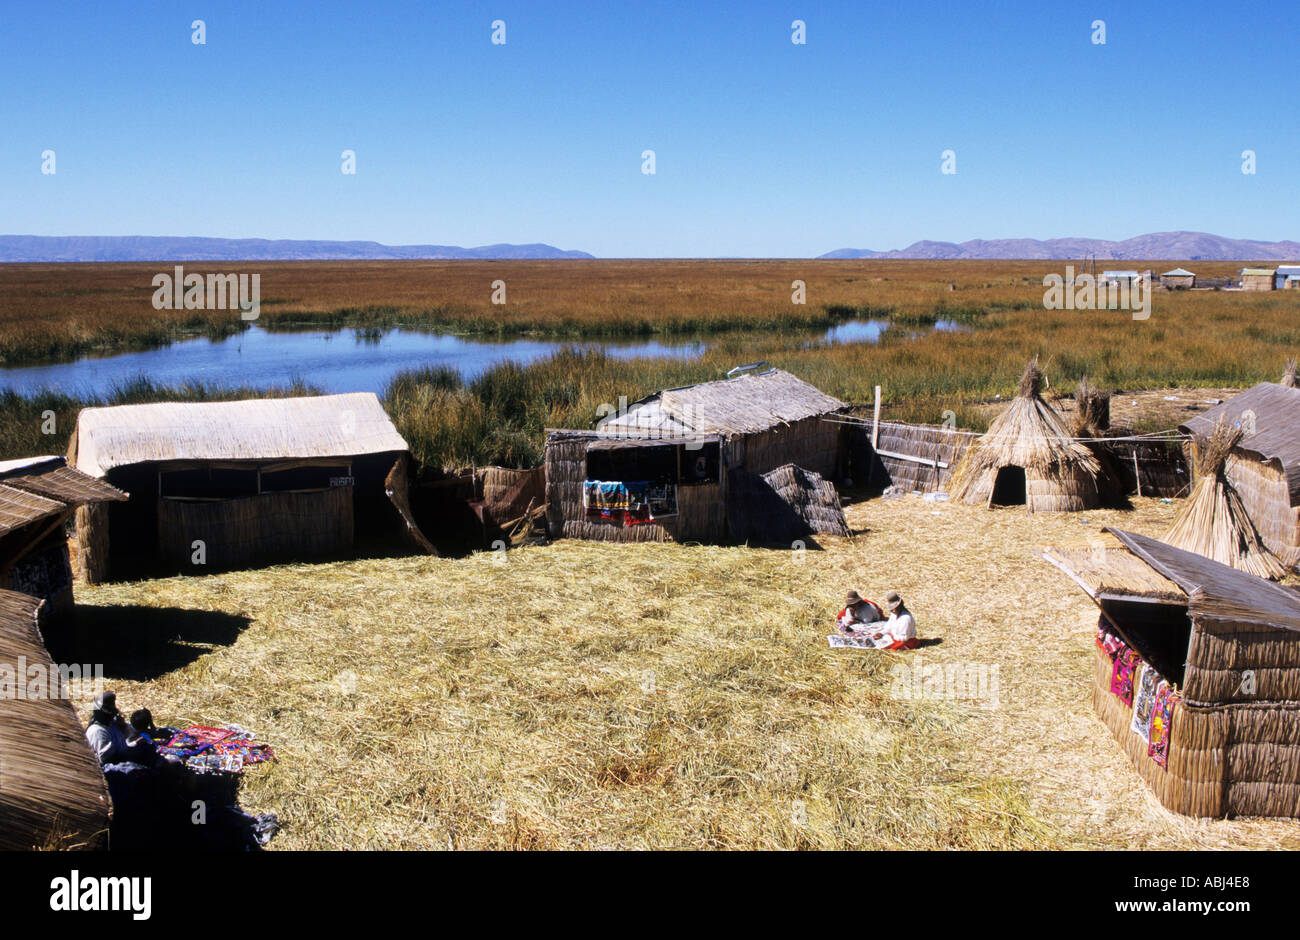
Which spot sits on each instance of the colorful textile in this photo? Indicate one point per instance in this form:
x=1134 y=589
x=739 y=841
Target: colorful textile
x=628 y=503
x=1144 y=698
x=1162 y=721
x=1121 y=674
x=209 y=750
x=1109 y=642
x=850 y=641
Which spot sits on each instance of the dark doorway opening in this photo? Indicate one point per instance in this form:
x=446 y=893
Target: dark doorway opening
x=1009 y=487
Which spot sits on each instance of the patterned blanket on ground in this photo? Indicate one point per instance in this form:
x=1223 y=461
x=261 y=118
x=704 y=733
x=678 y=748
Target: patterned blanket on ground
x=213 y=750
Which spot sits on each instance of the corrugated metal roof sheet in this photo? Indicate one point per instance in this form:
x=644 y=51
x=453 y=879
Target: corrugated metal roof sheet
x=259 y=429
x=1277 y=427
x=1214 y=589
x=1257 y=272
x=1178 y=272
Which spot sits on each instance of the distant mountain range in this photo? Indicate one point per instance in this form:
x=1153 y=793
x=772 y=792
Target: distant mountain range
x=152 y=248
x=1173 y=246
x=1176 y=246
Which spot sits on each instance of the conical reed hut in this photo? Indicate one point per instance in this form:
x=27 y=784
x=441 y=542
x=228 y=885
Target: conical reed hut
x=1214 y=522
x=1029 y=457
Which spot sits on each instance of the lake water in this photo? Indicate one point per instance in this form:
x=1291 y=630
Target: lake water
x=338 y=360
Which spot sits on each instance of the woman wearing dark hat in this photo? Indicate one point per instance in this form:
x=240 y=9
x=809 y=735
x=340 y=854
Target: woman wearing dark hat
x=106 y=733
x=857 y=613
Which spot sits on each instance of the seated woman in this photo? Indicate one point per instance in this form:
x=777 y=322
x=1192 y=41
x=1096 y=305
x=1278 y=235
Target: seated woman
x=857 y=615
x=899 y=631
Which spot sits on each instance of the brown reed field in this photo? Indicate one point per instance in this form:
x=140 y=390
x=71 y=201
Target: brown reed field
x=1192 y=339
x=671 y=696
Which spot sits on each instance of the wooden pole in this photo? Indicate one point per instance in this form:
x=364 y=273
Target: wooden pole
x=1137 y=474
x=875 y=421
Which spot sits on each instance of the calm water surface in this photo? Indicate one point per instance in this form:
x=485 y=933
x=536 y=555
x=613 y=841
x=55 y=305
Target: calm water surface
x=340 y=360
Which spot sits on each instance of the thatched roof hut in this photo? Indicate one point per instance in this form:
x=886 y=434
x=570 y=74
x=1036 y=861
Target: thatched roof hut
x=52 y=792
x=218 y=485
x=1029 y=457
x=690 y=440
x=38 y=496
x=1214 y=521
x=1224 y=738
x=1263 y=466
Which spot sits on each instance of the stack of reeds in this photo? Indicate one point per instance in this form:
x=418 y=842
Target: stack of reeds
x=1289 y=379
x=1214 y=522
x=813 y=498
x=1092 y=416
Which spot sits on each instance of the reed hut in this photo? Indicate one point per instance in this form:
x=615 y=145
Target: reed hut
x=1196 y=673
x=222 y=485
x=38 y=497
x=1029 y=457
x=52 y=792
x=1263 y=467
x=1178 y=279
x=685 y=443
x=1258 y=278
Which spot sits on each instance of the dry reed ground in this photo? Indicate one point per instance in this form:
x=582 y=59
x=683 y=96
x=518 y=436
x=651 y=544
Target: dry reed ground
x=583 y=695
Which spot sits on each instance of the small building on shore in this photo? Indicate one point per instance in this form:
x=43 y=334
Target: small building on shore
x=38 y=497
x=222 y=485
x=1258 y=278
x=1116 y=278
x=669 y=467
x=1178 y=279
x=1287 y=277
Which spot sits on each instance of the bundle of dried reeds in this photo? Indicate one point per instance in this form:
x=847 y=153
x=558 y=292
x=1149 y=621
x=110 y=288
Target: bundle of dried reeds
x=1092 y=415
x=1289 y=378
x=1214 y=522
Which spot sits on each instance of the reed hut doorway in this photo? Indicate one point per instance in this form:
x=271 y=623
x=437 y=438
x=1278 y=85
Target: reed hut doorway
x=1009 y=487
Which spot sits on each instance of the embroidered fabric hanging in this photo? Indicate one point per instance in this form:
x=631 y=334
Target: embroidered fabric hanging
x=1162 y=721
x=1144 y=699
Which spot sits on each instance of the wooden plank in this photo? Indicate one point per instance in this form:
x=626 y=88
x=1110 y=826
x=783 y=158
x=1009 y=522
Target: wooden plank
x=927 y=461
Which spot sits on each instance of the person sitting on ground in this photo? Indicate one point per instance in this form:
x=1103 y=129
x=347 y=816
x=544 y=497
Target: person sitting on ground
x=857 y=614
x=899 y=631
x=106 y=733
x=142 y=740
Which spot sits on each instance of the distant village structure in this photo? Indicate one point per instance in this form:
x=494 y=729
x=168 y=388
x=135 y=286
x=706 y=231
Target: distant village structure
x=1178 y=278
x=1258 y=278
x=1287 y=277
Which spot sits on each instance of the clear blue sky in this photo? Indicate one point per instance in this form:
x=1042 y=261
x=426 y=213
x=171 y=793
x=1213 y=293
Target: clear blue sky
x=764 y=148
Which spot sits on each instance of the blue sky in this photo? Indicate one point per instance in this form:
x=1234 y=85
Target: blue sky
x=763 y=148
